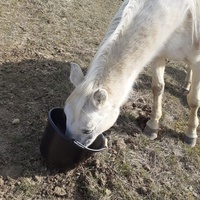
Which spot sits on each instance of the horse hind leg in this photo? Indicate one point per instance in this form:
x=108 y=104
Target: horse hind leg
x=193 y=99
x=152 y=126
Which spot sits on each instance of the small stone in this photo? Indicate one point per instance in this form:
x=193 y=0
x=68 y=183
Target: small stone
x=146 y=167
x=146 y=108
x=195 y=194
x=142 y=190
x=59 y=191
x=16 y=121
x=96 y=163
x=38 y=179
x=190 y=188
x=18 y=183
x=1 y=182
x=134 y=105
x=108 y=192
x=141 y=100
x=177 y=152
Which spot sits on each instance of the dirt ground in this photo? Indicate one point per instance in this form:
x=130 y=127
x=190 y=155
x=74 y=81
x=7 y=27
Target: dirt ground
x=37 y=40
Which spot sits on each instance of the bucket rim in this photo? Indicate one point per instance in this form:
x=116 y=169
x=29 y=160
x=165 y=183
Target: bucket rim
x=58 y=131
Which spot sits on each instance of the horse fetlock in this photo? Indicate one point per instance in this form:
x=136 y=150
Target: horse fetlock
x=151 y=133
x=190 y=141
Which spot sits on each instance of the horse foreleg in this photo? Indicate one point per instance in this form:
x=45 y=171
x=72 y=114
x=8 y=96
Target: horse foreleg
x=188 y=80
x=193 y=99
x=158 y=69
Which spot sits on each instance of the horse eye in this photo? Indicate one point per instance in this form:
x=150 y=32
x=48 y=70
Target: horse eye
x=85 y=131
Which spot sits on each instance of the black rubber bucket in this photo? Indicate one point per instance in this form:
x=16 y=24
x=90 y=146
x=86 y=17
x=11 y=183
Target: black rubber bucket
x=60 y=151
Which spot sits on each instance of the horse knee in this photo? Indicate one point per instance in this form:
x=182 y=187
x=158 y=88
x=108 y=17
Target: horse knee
x=157 y=88
x=193 y=103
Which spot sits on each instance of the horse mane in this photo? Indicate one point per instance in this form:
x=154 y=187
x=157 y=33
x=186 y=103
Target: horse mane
x=93 y=78
x=117 y=27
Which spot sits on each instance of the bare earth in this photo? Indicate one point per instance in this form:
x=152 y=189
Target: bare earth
x=37 y=39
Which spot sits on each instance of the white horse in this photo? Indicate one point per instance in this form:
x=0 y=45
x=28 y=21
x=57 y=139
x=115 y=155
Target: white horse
x=142 y=32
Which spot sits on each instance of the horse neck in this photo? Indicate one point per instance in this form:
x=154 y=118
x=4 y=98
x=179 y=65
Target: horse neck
x=137 y=39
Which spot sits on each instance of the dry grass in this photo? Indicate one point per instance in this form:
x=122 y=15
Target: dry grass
x=53 y=29
x=37 y=37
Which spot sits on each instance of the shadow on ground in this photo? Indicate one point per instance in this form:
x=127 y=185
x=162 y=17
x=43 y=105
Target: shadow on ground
x=28 y=90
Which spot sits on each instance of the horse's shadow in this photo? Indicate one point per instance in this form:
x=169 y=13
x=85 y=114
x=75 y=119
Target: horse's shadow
x=28 y=90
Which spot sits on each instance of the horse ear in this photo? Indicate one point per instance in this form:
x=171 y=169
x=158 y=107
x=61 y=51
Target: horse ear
x=99 y=97
x=76 y=74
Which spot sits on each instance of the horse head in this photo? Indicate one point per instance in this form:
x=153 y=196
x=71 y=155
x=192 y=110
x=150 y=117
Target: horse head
x=89 y=109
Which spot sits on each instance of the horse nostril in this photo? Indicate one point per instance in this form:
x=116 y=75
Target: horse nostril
x=85 y=131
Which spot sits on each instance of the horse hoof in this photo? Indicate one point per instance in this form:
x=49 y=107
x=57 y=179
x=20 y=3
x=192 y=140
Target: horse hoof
x=151 y=133
x=190 y=141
